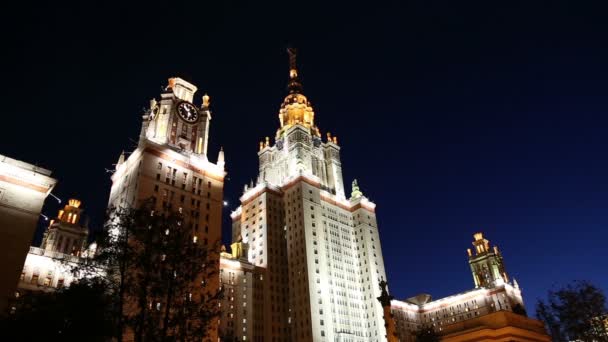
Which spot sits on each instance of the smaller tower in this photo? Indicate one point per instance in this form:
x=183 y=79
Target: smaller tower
x=66 y=234
x=486 y=263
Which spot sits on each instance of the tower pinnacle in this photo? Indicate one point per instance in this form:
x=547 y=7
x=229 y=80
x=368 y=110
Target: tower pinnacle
x=296 y=109
x=486 y=263
x=294 y=86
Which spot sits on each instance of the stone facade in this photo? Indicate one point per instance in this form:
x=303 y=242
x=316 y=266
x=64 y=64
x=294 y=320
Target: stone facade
x=23 y=189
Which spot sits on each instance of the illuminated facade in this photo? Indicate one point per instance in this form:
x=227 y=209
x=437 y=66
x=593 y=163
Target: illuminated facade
x=317 y=252
x=64 y=244
x=242 y=304
x=484 y=313
x=23 y=189
x=170 y=167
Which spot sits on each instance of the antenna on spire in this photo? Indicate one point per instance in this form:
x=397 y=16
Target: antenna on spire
x=294 y=85
x=293 y=73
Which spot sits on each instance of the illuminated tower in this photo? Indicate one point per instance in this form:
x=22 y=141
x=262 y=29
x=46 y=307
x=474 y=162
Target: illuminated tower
x=170 y=166
x=319 y=250
x=64 y=245
x=486 y=263
x=66 y=234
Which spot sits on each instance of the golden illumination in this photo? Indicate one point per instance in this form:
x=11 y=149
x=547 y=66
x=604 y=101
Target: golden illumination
x=237 y=250
x=199 y=148
x=74 y=203
x=478 y=236
x=171 y=82
x=296 y=109
x=205 y=100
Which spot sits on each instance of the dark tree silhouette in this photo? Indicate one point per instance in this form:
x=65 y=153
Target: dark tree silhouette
x=79 y=312
x=575 y=312
x=157 y=270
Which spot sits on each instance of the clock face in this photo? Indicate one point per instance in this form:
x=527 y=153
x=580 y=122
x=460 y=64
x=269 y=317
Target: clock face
x=187 y=112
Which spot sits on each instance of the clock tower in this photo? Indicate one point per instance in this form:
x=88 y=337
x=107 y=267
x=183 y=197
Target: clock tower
x=171 y=168
x=176 y=121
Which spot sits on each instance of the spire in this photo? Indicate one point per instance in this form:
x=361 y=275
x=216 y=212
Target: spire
x=295 y=109
x=220 y=157
x=294 y=86
x=121 y=159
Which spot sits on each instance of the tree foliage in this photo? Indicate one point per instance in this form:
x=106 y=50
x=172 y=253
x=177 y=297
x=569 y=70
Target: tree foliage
x=79 y=312
x=426 y=334
x=574 y=313
x=157 y=269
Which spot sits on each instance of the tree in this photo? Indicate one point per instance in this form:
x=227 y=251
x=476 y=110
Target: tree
x=158 y=271
x=81 y=311
x=426 y=334
x=574 y=312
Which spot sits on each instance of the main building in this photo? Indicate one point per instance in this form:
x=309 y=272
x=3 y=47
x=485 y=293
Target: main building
x=315 y=250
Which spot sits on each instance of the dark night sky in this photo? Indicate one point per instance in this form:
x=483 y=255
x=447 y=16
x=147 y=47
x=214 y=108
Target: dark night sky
x=454 y=116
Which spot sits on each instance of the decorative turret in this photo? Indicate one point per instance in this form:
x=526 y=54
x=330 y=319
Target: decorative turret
x=65 y=234
x=121 y=159
x=220 y=158
x=486 y=263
